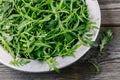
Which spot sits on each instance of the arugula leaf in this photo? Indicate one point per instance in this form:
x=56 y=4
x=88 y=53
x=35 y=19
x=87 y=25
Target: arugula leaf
x=106 y=38
x=51 y=62
x=19 y=62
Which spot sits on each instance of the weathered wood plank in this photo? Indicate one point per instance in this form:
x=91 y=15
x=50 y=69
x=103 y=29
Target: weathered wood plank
x=110 y=10
x=110 y=64
x=112 y=6
x=110 y=18
x=108 y=1
x=110 y=70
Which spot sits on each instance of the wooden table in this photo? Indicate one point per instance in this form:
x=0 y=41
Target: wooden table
x=108 y=61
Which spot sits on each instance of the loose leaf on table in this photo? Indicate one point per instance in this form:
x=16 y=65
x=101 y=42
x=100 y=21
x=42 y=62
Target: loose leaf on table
x=106 y=38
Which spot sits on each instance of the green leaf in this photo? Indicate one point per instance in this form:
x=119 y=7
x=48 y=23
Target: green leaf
x=106 y=38
x=96 y=67
x=19 y=62
x=52 y=62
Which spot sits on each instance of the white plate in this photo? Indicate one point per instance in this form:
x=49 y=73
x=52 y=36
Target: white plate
x=35 y=66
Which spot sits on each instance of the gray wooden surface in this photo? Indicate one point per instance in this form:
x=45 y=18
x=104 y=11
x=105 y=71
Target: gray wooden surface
x=108 y=61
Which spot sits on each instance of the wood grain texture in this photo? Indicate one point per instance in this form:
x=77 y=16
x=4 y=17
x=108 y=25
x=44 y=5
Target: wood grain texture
x=110 y=10
x=110 y=18
x=110 y=65
x=108 y=1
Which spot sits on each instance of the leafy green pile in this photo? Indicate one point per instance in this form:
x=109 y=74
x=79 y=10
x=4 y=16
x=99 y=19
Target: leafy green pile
x=43 y=29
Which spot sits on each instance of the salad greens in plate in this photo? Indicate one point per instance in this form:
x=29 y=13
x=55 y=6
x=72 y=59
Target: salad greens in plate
x=43 y=29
